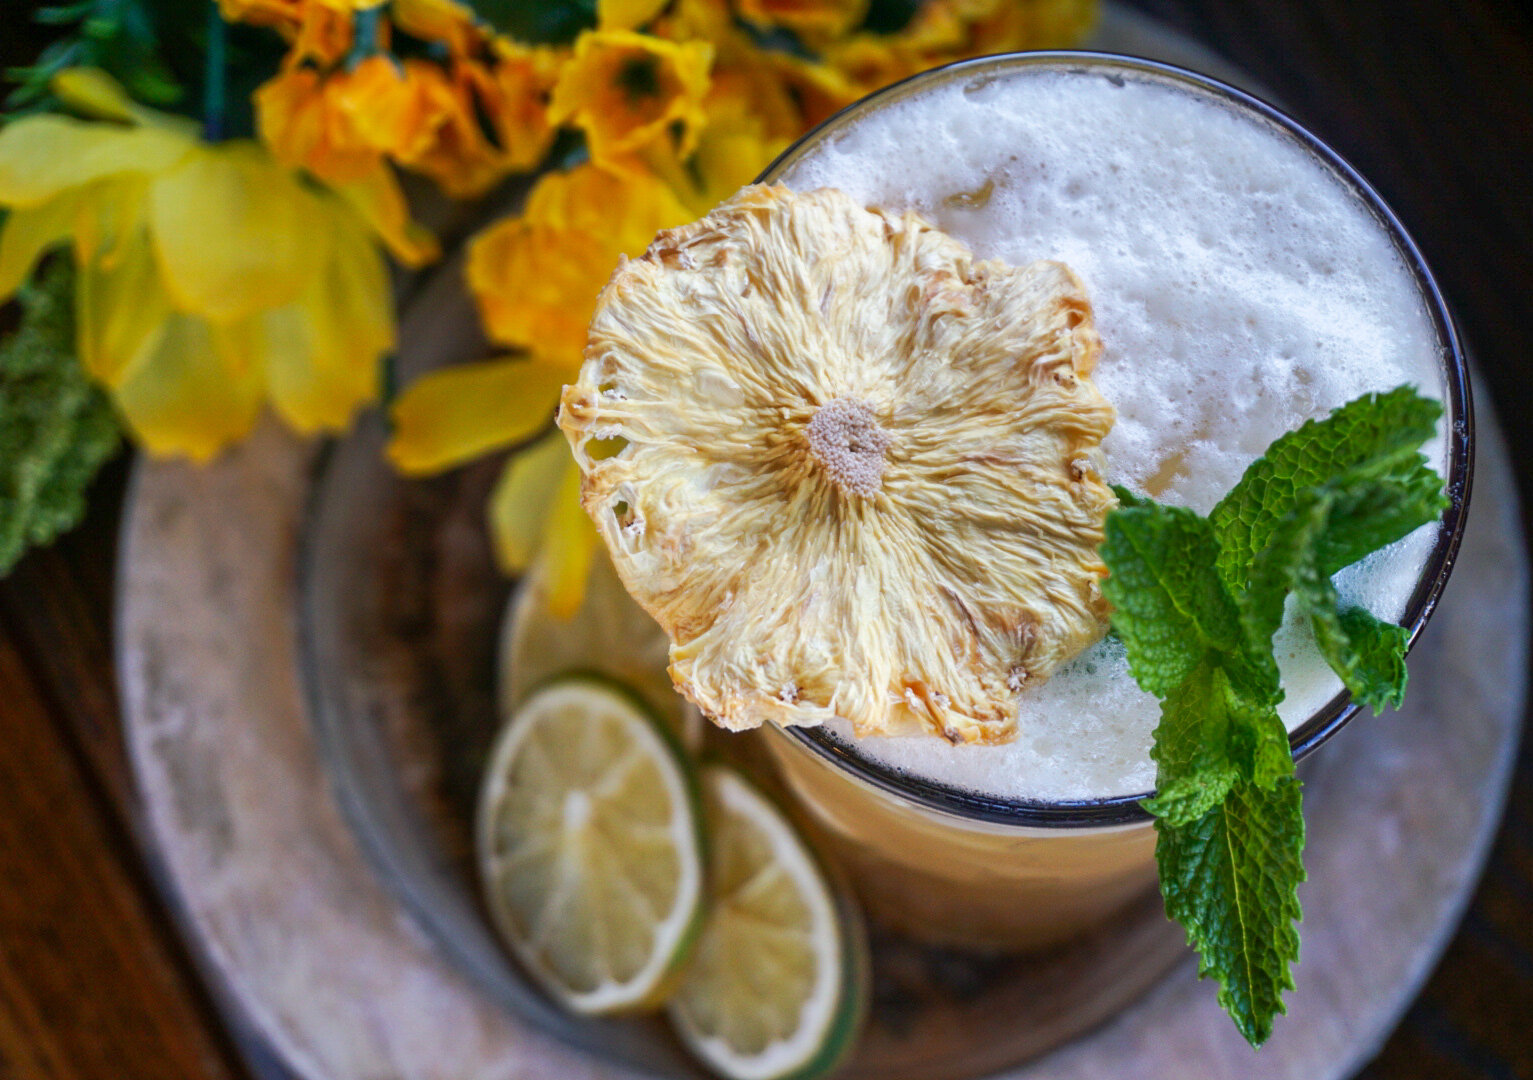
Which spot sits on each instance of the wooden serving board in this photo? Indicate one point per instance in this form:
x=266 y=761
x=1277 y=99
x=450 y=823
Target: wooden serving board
x=310 y=828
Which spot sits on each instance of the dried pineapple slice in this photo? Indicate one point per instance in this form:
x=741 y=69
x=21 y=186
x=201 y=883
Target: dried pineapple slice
x=850 y=470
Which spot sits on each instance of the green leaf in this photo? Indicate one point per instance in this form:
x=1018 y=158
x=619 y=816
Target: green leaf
x=1169 y=607
x=56 y=427
x=1369 y=655
x=540 y=22
x=1329 y=527
x=1196 y=602
x=1374 y=436
x=1219 y=728
x=1231 y=878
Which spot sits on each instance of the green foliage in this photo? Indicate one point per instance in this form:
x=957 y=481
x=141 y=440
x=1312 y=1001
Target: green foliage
x=1231 y=877
x=119 y=36
x=158 y=50
x=1377 y=435
x=57 y=428
x=1196 y=604
x=540 y=22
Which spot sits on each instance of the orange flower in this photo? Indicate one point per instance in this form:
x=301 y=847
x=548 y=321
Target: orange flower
x=813 y=20
x=283 y=13
x=628 y=90
x=301 y=117
x=536 y=276
x=513 y=93
x=446 y=21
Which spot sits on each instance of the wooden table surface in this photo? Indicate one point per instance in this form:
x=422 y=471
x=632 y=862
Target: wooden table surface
x=1431 y=100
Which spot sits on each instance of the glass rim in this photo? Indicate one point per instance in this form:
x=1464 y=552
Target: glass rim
x=1458 y=420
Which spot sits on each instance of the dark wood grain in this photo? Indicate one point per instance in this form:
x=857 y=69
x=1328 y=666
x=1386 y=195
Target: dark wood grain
x=1431 y=100
x=94 y=981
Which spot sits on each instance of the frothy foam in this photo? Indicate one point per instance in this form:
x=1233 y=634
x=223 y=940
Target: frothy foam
x=1240 y=288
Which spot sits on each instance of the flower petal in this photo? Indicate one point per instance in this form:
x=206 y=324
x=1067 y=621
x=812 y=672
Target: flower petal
x=323 y=353
x=29 y=232
x=235 y=231
x=94 y=93
x=569 y=544
x=627 y=14
x=448 y=417
x=535 y=513
x=120 y=310
x=377 y=198
x=184 y=398
x=41 y=156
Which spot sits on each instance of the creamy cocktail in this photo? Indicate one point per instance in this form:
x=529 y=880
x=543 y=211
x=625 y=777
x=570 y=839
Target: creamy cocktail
x=1242 y=281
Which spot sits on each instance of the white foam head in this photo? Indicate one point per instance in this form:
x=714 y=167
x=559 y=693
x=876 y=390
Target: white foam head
x=1240 y=285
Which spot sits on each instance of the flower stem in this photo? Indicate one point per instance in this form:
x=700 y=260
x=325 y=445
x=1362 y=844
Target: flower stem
x=215 y=75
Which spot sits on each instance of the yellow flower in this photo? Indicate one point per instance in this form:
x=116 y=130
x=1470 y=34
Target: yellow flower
x=628 y=90
x=813 y=20
x=454 y=415
x=447 y=21
x=210 y=279
x=535 y=513
x=627 y=14
x=536 y=276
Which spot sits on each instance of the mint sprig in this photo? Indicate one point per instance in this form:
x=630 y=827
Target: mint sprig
x=1196 y=602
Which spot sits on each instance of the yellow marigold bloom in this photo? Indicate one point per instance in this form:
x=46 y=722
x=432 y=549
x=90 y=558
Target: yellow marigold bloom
x=627 y=90
x=813 y=20
x=536 y=276
x=210 y=280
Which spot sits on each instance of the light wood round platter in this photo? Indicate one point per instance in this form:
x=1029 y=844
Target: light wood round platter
x=306 y=654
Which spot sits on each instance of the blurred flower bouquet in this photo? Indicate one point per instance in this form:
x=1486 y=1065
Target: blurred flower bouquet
x=201 y=199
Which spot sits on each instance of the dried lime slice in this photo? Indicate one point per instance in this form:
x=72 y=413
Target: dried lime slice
x=778 y=986
x=590 y=846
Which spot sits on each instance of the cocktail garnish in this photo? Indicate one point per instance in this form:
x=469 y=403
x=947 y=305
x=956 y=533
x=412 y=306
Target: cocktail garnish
x=1197 y=601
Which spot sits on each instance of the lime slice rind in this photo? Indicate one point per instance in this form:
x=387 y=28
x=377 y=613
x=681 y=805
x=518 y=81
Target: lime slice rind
x=608 y=633
x=582 y=918
x=830 y=1014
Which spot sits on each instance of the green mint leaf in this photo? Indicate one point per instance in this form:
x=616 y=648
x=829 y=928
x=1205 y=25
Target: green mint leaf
x=1329 y=527
x=1231 y=879
x=56 y=427
x=1219 y=728
x=1369 y=655
x=1169 y=607
x=1196 y=603
x=1376 y=435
